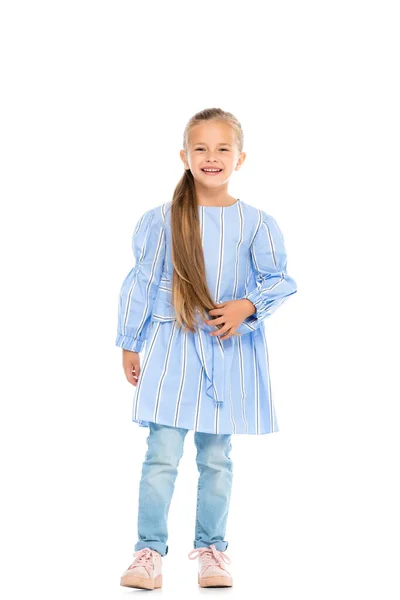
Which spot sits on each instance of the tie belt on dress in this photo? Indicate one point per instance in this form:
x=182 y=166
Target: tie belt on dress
x=215 y=356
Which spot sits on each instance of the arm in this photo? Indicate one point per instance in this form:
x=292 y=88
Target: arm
x=140 y=286
x=269 y=262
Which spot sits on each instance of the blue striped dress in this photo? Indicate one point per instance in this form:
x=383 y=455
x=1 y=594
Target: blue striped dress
x=194 y=380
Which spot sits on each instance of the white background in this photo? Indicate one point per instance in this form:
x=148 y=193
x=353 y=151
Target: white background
x=95 y=97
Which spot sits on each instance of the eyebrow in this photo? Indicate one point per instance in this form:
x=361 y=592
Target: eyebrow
x=220 y=144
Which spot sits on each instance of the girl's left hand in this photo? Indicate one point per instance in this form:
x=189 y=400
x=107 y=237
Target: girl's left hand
x=231 y=314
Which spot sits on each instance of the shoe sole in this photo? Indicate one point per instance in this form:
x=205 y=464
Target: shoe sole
x=135 y=581
x=216 y=581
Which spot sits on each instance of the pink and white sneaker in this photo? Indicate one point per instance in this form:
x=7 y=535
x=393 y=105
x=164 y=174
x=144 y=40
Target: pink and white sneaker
x=211 y=572
x=145 y=570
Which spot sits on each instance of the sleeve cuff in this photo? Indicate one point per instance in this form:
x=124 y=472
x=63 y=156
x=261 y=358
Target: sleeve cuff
x=129 y=343
x=257 y=299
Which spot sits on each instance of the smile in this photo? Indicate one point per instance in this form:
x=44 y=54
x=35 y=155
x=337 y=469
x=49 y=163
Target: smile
x=211 y=171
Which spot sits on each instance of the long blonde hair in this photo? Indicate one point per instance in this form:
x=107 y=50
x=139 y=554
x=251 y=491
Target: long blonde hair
x=189 y=284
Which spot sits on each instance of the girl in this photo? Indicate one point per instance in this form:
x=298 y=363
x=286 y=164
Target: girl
x=209 y=269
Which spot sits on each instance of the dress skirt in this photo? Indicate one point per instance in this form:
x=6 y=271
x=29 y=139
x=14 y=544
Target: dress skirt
x=201 y=383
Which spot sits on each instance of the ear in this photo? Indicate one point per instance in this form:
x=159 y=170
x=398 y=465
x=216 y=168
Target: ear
x=183 y=158
x=240 y=161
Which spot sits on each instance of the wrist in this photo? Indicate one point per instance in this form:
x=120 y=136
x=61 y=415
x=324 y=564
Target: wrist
x=251 y=306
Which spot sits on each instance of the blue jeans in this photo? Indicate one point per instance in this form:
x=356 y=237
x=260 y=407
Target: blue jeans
x=160 y=468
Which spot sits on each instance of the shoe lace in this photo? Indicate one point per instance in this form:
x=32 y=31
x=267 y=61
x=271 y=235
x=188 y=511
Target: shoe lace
x=210 y=556
x=143 y=558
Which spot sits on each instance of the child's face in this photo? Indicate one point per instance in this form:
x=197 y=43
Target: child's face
x=212 y=144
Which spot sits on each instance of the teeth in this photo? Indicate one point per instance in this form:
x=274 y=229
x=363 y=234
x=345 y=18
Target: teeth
x=212 y=170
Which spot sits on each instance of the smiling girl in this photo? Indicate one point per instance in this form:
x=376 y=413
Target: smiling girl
x=209 y=269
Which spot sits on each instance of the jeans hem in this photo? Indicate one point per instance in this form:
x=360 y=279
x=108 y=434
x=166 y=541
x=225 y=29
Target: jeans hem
x=220 y=545
x=157 y=546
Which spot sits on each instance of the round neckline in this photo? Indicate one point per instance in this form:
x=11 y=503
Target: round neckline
x=227 y=206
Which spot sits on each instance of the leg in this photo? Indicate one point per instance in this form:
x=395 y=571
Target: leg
x=214 y=489
x=160 y=468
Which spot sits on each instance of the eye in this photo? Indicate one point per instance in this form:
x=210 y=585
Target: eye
x=226 y=149
x=199 y=148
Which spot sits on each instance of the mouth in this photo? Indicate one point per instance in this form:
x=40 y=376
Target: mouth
x=211 y=171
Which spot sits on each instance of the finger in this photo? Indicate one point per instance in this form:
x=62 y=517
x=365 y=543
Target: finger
x=129 y=376
x=216 y=321
x=132 y=374
x=217 y=310
x=135 y=365
x=220 y=331
x=230 y=334
x=135 y=374
x=225 y=337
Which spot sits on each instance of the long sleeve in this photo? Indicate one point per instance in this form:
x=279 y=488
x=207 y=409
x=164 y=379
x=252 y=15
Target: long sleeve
x=140 y=286
x=269 y=261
